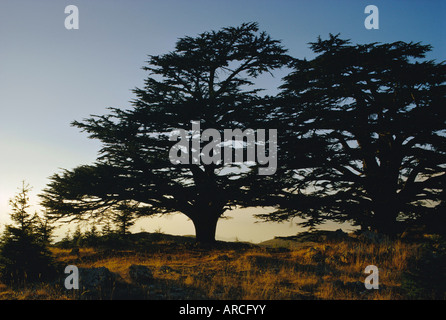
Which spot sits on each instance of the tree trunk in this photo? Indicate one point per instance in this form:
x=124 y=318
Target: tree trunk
x=384 y=220
x=205 y=227
x=386 y=206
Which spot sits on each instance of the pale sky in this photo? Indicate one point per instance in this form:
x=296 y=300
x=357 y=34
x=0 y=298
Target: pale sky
x=50 y=76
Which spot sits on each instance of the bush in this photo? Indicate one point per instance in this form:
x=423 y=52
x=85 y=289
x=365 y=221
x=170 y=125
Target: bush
x=426 y=277
x=23 y=259
x=24 y=256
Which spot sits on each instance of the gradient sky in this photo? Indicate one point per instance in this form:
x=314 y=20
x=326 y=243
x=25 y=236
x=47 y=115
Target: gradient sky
x=50 y=76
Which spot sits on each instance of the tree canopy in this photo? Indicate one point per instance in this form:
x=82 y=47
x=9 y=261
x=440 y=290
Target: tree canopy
x=371 y=119
x=209 y=79
x=361 y=131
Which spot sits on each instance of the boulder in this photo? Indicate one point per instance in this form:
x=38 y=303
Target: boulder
x=356 y=286
x=92 y=279
x=140 y=274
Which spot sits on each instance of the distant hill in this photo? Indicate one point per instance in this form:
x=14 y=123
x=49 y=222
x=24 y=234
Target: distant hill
x=306 y=239
x=147 y=241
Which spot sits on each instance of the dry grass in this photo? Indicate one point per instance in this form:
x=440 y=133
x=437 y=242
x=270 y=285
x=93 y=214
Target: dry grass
x=331 y=270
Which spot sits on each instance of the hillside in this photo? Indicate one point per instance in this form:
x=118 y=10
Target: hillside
x=321 y=265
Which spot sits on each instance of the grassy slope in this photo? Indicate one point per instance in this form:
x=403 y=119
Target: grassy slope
x=308 y=268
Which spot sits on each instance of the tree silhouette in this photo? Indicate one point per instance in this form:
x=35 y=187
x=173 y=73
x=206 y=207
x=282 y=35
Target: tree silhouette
x=19 y=210
x=44 y=228
x=365 y=137
x=23 y=252
x=123 y=216
x=207 y=78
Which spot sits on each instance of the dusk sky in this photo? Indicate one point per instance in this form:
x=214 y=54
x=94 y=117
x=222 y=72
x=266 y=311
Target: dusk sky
x=50 y=76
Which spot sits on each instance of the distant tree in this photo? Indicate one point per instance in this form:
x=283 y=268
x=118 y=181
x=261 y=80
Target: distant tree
x=91 y=237
x=124 y=216
x=44 y=228
x=23 y=254
x=107 y=229
x=77 y=237
x=370 y=121
x=66 y=241
x=25 y=222
x=206 y=78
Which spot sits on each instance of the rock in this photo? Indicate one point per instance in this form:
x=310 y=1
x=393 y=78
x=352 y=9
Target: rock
x=96 y=278
x=140 y=274
x=356 y=286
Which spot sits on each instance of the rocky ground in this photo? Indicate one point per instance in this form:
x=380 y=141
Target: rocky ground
x=313 y=265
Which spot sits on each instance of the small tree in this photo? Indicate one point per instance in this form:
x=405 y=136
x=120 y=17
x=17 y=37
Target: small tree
x=44 y=228
x=91 y=237
x=124 y=217
x=107 y=229
x=19 y=205
x=77 y=237
x=23 y=254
